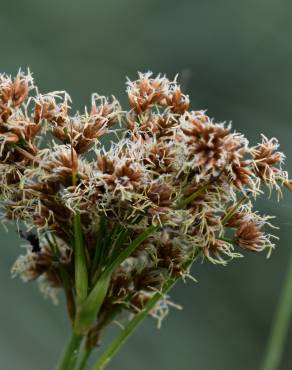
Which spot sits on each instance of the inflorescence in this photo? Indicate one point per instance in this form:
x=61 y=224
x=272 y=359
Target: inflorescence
x=174 y=171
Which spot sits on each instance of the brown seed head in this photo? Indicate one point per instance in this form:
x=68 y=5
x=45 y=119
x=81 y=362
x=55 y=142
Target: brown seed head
x=146 y=91
x=250 y=236
x=268 y=160
x=177 y=101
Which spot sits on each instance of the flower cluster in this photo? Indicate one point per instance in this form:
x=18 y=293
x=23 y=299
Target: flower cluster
x=190 y=181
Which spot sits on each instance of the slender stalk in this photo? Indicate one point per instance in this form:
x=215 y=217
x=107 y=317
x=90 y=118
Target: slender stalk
x=96 y=265
x=70 y=354
x=93 y=337
x=90 y=307
x=184 y=202
x=84 y=358
x=231 y=212
x=117 y=343
x=81 y=275
x=131 y=248
x=70 y=301
x=275 y=347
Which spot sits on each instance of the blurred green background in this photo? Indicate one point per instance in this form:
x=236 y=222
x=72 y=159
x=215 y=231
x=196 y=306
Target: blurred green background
x=235 y=59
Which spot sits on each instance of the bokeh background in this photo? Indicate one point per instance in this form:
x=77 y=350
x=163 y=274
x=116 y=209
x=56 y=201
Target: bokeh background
x=234 y=58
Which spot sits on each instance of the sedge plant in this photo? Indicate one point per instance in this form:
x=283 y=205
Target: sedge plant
x=116 y=205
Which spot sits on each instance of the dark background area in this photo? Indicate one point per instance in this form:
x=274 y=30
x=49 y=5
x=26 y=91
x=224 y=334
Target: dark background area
x=235 y=58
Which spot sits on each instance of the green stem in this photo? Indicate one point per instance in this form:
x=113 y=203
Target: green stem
x=117 y=343
x=70 y=354
x=70 y=301
x=184 y=202
x=275 y=347
x=87 y=312
x=84 y=358
x=81 y=275
x=231 y=212
x=130 y=249
x=90 y=343
x=101 y=235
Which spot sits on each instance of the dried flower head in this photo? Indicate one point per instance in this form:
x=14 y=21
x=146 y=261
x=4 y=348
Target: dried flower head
x=125 y=220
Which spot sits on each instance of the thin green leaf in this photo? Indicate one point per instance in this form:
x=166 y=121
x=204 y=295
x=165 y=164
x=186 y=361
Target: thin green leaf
x=88 y=311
